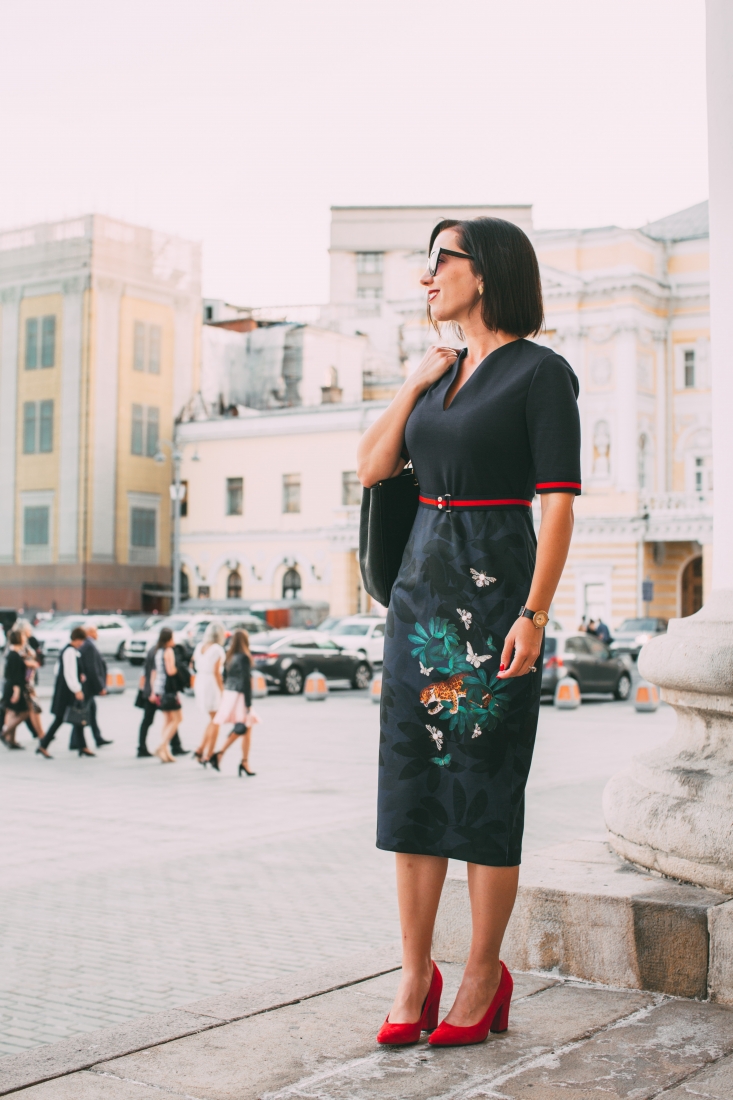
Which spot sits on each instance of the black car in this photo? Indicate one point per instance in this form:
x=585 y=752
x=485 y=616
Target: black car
x=587 y=660
x=286 y=659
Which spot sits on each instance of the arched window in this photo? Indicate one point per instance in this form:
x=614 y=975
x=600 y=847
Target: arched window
x=291 y=584
x=234 y=585
x=692 y=587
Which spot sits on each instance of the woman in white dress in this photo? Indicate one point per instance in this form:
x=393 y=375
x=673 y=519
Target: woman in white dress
x=208 y=658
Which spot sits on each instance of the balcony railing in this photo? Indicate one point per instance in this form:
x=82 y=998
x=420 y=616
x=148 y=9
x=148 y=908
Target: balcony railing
x=675 y=502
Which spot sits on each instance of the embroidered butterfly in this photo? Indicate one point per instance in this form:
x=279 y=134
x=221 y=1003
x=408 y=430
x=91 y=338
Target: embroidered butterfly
x=473 y=658
x=425 y=671
x=481 y=580
x=466 y=617
x=444 y=761
x=477 y=731
x=437 y=737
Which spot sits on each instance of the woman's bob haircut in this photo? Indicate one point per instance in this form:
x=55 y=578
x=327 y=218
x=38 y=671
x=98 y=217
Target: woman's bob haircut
x=504 y=260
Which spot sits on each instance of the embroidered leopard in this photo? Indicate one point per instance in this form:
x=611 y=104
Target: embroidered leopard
x=434 y=695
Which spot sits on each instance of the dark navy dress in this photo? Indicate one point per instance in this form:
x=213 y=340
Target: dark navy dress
x=456 y=743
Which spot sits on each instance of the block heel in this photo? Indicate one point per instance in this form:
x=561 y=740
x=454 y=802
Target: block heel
x=399 y=1035
x=496 y=1019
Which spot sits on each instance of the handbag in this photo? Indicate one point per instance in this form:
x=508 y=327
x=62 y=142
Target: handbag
x=388 y=511
x=141 y=699
x=77 y=713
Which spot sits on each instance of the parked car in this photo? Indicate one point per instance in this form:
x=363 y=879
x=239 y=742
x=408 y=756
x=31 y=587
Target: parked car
x=251 y=623
x=141 y=640
x=634 y=633
x=587 y=660
x=114 y=633
x=285 y=659
x=362 y=633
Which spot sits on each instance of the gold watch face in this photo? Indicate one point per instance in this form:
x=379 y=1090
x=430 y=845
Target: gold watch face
x=540 y=619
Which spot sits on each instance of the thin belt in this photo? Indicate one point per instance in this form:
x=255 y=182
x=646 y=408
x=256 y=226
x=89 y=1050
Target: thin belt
x=446 y=503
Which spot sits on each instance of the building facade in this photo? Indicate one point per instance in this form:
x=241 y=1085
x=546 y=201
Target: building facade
x=99 y=334
x=627 y=308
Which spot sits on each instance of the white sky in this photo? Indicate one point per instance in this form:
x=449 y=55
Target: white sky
x=239 y=122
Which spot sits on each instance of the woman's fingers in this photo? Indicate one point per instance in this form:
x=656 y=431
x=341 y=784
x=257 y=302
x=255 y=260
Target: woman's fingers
x=507 y=652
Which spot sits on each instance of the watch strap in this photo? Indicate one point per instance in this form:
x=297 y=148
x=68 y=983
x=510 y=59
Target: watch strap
x=525 y=613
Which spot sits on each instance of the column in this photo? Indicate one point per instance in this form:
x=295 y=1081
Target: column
x=8 y=414
x=71 y=435
x=103 y=443
x=673 y=810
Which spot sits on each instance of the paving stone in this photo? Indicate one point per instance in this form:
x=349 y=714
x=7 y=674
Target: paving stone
x=93 y=1086
x=715 y=1083
x=325 y=1047
x=639 y=1059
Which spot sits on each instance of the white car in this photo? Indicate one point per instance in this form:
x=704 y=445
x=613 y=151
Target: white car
x=113 y=633
x=362 y=633
x=137 y=648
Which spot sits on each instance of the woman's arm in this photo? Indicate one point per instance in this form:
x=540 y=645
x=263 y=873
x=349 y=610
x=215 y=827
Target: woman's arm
x=169 y=658
x=379 y=454
x=217 y=674
x=524 y=640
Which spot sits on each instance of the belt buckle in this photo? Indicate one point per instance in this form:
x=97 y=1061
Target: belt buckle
x=444 y=503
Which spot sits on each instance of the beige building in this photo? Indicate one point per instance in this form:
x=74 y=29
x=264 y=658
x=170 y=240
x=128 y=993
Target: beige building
x=628 y=309
x=98 y=348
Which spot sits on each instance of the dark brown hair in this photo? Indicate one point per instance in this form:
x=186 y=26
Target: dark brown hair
x=238 y=644
x=164 y=637
x=504 y=260
x=78 y=635
x=15 y=637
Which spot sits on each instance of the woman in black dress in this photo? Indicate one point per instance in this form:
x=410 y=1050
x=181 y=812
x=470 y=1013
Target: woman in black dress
x=486 y=428
x=16 y=700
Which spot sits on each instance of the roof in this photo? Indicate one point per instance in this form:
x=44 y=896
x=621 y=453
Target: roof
x=685 y=225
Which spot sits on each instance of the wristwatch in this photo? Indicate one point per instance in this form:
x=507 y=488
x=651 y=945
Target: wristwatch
x=539 y=618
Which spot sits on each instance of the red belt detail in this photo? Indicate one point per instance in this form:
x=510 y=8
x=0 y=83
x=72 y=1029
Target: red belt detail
x=558 y=485
x=451 y=503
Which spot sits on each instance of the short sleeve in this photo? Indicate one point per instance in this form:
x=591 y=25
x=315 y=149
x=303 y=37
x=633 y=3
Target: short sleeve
x=553 y=423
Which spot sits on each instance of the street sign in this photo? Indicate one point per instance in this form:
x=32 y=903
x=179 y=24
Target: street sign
x=647 y=591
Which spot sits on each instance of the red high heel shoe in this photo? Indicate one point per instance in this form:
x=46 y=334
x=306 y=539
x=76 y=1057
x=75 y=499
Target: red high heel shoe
x=402 y=1034
x=495 y=1019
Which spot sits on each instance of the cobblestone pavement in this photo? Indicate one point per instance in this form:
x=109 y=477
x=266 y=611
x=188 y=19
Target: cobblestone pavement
x=129 y=887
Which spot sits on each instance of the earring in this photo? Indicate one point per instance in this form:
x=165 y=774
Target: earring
x=480 y=289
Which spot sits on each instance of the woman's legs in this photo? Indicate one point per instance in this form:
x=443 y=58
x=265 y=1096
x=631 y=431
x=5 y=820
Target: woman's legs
x=12 y=721
x=419 y=884
x=492 y=891
x=173 y=719
x=201 y=750
x=229 y=741
x=246 y=742
x=209 y=742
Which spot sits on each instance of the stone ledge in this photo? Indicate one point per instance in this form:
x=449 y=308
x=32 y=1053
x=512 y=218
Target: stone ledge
x=582 y=912
x=83 y=1051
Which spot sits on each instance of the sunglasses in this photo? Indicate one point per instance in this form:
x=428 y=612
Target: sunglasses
x=434 y=258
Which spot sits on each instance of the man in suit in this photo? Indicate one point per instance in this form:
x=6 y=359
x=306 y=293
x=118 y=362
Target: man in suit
x=67 y=691
x=94 y=679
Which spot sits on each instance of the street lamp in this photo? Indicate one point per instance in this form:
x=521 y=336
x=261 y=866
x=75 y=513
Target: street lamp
x=176 y=491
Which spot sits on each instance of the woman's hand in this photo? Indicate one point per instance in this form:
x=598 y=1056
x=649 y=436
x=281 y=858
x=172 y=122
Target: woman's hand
x=521 y=649
x=436 y=361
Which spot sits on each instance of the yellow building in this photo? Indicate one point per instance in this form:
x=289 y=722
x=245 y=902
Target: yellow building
x=98 y=350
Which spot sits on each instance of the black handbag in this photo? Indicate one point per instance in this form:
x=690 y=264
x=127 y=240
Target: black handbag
x=77 y=713
x=141 y=699
x=388 y=512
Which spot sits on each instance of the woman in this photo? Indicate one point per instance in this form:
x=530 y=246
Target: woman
x=33 y=662
x=15 y=692
x=485 y=427
x=236 y=701
x=207 y=660
x=165 y=692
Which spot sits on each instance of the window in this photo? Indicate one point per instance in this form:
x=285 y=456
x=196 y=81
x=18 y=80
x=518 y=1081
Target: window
x=699 y=474
x=154 y=339
x=136 y=444
x=644 y=463
x=208 y=313
x=371 y=292
x=46 y=345
x=184 y=499
x=291 y=492
x=37 y=427
x=142 y=524
x=369 y=263
x=204 y=591
x=152 y=433
x=235 y=496
x=145 y=430
x=291 y=584
x=138 y=361
x=576 y=645
x=146 y=347
x=350 y=488
x=689 y=369
x=36 y=526
x=48 y=341
x=234 y=585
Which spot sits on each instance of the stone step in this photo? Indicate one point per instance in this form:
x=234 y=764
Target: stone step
x=583 y=912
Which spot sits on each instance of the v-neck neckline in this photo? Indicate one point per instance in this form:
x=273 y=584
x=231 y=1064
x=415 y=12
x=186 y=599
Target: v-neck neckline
x=456 y=368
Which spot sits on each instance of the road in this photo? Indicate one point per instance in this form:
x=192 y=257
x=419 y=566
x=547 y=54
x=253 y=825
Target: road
x=129 y=886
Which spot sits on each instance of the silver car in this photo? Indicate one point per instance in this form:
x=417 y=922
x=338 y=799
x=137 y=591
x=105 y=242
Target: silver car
x=634 y=633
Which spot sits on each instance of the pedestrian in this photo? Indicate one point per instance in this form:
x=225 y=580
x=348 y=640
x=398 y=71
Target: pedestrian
x=165 y=692
x=150 y=709
x=94 y=679
x=485 y=428
x=67 y=693
x=603 y=632
x=33 y=657
x=236 y=701
x=208 y=658
x=15 y=691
